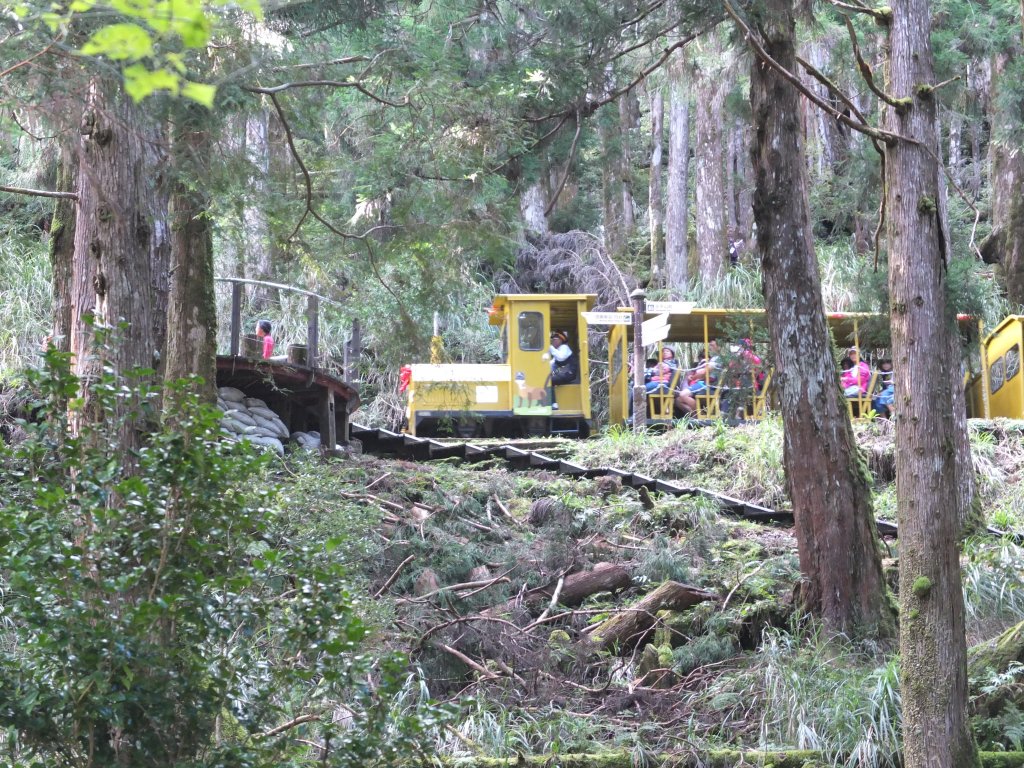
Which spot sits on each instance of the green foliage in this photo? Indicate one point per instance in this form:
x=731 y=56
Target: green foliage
x=817 y=693
x=24 y=303
x=148 y=43
x=153 y=617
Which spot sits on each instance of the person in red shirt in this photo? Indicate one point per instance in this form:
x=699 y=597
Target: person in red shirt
x=263 y=330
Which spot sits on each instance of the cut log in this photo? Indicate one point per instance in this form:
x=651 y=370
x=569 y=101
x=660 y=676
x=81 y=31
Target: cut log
x=577 y=587
x=630 y=626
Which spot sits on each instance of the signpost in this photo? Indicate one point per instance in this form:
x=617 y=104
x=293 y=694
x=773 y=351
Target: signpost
x=654 y=330
x=672 y=307
x=608 y=318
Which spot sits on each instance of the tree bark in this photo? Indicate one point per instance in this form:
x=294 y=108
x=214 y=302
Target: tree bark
x=160 y=243
x=839 y=551
x=62 y=249
x=191 y=315
x=676 y=209
x=712 y=205
x=112 y=271
x=933 y=667
x=532 y=203
x=655 y=211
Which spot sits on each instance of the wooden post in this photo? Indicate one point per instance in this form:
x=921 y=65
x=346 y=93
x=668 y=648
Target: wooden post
x=313 y=332
x=328 y=423
x=639 y=392
x=236 y=317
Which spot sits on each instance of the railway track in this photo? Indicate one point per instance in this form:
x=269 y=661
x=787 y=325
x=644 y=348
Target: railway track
x=521 y=457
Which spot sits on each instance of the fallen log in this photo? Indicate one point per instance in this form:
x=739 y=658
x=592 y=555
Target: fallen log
x=577 y=587
x=629 y=626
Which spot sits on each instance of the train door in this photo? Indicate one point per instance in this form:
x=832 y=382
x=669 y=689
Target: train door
x=529 y=334
x=618 y=375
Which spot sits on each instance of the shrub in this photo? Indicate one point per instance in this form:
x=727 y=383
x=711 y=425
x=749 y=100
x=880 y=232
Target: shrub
x=149 y=622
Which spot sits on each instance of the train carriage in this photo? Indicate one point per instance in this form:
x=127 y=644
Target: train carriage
x=516 y=397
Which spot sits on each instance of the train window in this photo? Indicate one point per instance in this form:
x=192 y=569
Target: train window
x=1013 y=361
x=531 y=331
x=997 y=375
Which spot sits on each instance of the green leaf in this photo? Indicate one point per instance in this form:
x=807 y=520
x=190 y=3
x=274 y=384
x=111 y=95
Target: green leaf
x=199 y=92
x=120 y=42
x=140 y=82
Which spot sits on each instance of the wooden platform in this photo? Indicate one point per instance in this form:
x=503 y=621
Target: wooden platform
x=305 y=398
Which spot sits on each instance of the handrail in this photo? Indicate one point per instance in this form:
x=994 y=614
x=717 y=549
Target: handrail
x=279 y=286
x=312 y=314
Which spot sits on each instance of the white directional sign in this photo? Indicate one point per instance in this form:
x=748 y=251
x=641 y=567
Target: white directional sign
x=672 y=307
x=654 y=330
x=608 y=318
x=653 y=336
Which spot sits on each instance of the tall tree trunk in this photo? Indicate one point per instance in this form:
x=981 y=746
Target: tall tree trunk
x=656 y=213
x=259 y=265
x=62 y=249
x=712 y=247
x=831 y=494
x=1006 y=161
x=112 y=273
x=191 y=316
x=629 y=117
x=160 y=243
x=676 y=209
x=612 y=172
x=532 y=204
x=744 y=188
x=933 y=652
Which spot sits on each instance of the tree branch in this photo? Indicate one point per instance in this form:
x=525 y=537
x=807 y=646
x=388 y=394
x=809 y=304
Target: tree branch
x=39 y=192
x=568 y=168
x=289 y=725
x=865 y=70
x=326 y=84
x=762 y=54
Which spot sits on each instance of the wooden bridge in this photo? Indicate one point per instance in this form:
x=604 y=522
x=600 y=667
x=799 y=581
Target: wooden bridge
x=303 y=392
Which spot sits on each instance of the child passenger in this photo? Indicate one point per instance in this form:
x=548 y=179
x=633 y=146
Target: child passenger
x=855 y=379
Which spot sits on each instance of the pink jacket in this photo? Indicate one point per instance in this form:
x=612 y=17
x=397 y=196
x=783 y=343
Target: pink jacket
x=859 y=375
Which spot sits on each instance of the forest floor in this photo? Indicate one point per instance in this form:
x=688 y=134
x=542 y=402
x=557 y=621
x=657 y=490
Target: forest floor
x=570 y=616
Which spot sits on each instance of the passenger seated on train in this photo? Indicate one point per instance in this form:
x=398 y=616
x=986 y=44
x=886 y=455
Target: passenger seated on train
x=660 y=375
x=742 y=377
x=705 y=374
x=857 y=377
x=564 y=365
x=882 y=402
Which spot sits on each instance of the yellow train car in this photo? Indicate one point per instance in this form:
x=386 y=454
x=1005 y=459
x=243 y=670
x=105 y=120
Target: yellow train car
x=1000 y=390
x=515 y=397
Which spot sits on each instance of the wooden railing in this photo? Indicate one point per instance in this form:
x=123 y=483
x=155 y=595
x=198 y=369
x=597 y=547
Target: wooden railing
x=313 y=300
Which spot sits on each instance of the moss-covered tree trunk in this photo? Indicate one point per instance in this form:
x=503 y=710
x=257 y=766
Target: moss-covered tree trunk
x=111 y=272
x=933 y=652
x=839 y=552
x=191 y=313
